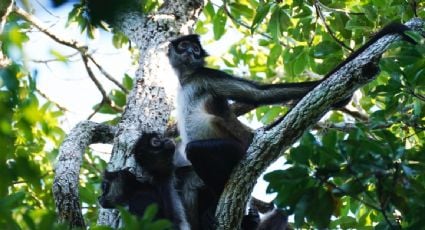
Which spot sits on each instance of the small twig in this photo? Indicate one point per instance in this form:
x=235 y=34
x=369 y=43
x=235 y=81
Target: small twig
x=49 y=99
x=73 y=44
x=334 y=186
x=410 y=91
x=55 y=59
x=414 y=5
x=239 y=22
x=105 y=97
x=93 y=77
x=337 y=10
x=45 y=9
x=107 y=75
x=39 y=25
x=347 y=127
x=354 y=114
x=96 y=110
x=328 y=29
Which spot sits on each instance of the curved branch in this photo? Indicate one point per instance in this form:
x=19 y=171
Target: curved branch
x=82 y=49
x=67 y=168
x=63 y=108
x=105 y=98
x=330 y=32
x=107 y=75
x=246 y=26
x=39 y=25
x=268 y=145
x=337 y=10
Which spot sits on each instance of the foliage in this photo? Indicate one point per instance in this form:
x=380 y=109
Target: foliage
x=349 y=173
x=369 y=175
x=29 y=136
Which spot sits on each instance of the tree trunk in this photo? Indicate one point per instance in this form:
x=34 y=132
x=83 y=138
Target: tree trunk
x=148 y=104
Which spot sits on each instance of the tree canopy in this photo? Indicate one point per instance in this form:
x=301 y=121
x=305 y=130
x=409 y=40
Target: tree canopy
x=361 y=166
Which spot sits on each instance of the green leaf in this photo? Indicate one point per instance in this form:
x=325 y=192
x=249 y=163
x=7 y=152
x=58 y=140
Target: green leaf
x=118 y=97
x=239 y=10
x=209 y=11
x=105 y=108
x=275 y=53
x=127 y=82
x=324 y=49
x=119 y=39
x=274 y=25
x=284 y=20
x=11 y=201
x=219 y=23
x=150 y=212
x=351 y=187
x=59 y=56
x=261 y=13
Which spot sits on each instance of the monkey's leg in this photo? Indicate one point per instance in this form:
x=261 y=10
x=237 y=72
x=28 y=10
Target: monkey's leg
x=213 y=160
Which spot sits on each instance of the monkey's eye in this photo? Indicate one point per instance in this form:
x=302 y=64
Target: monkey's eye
x=196 y=49
x=155 y=142
x=184 y=45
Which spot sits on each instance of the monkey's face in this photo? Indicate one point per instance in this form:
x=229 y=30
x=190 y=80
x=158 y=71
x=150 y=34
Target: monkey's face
x=186 y=53
x=155 y=153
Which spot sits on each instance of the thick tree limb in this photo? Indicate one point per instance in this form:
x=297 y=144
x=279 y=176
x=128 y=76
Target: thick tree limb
x=67 y=168
x=268 y=145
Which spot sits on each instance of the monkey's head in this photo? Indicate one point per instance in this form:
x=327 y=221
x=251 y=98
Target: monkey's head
x=117 y=188
x=155 y=154
x=186 y=53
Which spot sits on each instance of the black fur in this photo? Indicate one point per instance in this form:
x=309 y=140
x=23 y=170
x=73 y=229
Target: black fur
x=121 y=188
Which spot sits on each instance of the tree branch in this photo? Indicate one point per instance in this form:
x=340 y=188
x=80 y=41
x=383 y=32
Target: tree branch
x=39 y=25
x=49 y=99
x=246 y=26
x=82 y=49
x=105 y=98
x=150 y=102
x=328 y=29
x=67 y=168
x=268 y=145
x=107 y=75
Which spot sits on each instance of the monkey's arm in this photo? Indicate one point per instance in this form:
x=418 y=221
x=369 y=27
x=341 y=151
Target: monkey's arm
x=241 y=90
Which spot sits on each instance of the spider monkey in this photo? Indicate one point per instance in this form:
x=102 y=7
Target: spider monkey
x=215 y=139
x=155 y=155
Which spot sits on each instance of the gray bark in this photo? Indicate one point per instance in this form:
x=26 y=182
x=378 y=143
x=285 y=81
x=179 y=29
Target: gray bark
x=150 y=102
x=268 y=145
x=148 y=108
x=67 y=168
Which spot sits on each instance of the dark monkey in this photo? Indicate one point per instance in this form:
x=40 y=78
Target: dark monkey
x=155 y=155
x=215 y=139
